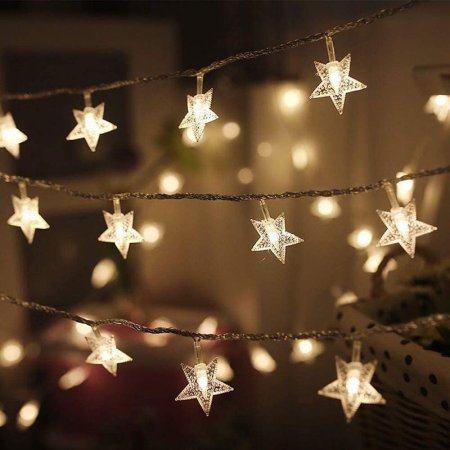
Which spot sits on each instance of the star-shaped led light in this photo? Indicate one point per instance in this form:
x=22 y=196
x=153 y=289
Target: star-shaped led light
x=26 y=214
x=120 y=230
x=352 y=386
x=273 y=235
x=199 y=113
x=203 y=384
x=10 y=136
x=104 y=352
x=336 y=81
x=90 y=125
x=402 y=227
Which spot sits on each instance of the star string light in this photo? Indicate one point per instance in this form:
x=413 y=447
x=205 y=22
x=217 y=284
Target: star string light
x=273 y=235
x=10 y=136
x=90 y=123
x=120 y=229
x=402 y=226
x=336 y=82
x=105 y=352
x=199 y=111
x=352 y=386
x=26 y=214
x=202 y=382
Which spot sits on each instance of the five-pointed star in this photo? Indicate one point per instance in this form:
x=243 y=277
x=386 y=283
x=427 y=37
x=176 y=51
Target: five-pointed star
x=336 y=82
x=366 y=393
x=90 y=125
x=10 y=136
x=104 y=352
x=406 y=235
x=273 y=236
x=192 y=390
x=199 y=113
x=26 y=216
x=120 y=231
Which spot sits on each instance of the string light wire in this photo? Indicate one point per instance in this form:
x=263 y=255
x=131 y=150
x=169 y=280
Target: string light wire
x=354 y=190
x=332 y=334
x=219 y=64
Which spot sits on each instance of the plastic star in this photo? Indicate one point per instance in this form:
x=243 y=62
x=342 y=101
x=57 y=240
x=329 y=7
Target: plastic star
x=353 y=386
x=26 y=216
x=403 y=228
x=336 y=82
x=203 y=384
x=90 y=125
x=199 y=113
x=10 y=136
x=273 y=236
x=104 y=352
x=120 y=231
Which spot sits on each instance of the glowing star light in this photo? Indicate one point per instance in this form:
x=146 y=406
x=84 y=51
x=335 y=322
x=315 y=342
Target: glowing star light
x=335 y=78
x=202 y=382
x=352 y=386
x=90 y=123
x=199 y=111
x=273 y=234
x=10 y=136
x=120 y=229
x=26 y=214
x=401 y=223
x=104 y=352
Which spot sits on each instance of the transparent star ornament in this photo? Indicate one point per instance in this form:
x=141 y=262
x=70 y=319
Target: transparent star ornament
x=90 y=123
x=120 y=229
x=402 y=225
x=202 y=382
x=336 y=82
x=10 y=136
x=273 y=235
x=105 y=352
x=352 y=386
x=199 y=111
x=26 y=214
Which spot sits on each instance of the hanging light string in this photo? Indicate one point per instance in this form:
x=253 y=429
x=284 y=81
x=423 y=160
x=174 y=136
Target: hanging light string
x=354 y=190
x=219 y=64
x=332 y=334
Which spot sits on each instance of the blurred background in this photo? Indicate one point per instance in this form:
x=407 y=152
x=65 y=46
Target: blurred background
x=195 y=269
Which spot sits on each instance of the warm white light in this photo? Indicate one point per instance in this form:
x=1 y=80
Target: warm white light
x=326 y=208
x=189 y=139
x=290 y=99
x=360 y=238
x=300 y=154
x=272 y=231
x=245 y=175
x=264 y=149
x=158 y=340
x=346 y=298
x=104 y=272
x=405 y=189
x=224 y=370
x=10 y=136
x=74 y=377
x=3 y=418
x=374 y=258
x=231 y=130
x=83 y=329
x=170 y=182
x=353 y=380
x=306 y=350
x=11 y=353
x=208 y=326
x=261 y=360
x=202 y=377
x=439 y=105
x=28 y=414
x=401 y=221
x=152 y=233
x=334 y=74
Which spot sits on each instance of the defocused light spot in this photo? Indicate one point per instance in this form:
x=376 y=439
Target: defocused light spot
x=11 y=353
x=405 y=189
x=152 y=233
x=245 y=175
x=306 y=350
x=290 y=99
x=360 y=238
x=3 y=418
x=104 y=272
x=264 y=149
x=170 y=182
x=326 y=208
x=189 y=138
x=27 y=414
x=158 y=340
x=261 y=359
x=374 y=258
x=439 y=105
x=300 y=154
x=208 y=326
x=346 y=298
x=231 y=130
x=74 y=377
x=224 y=370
